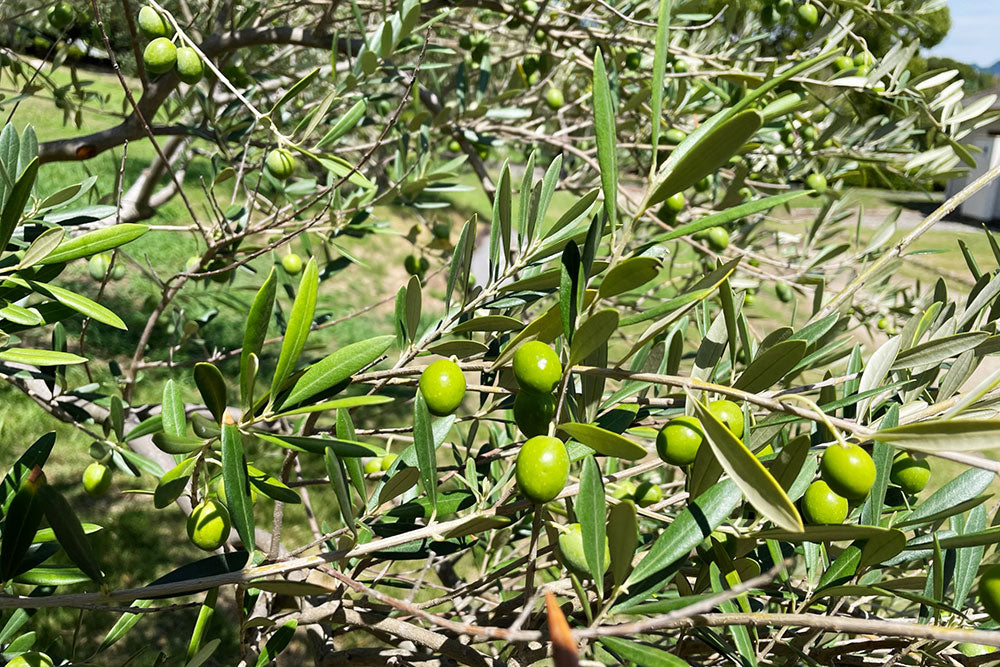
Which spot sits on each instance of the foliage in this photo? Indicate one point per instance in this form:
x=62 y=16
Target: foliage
x=603 y=247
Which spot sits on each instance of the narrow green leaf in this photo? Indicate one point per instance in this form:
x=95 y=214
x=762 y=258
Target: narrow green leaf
x=21 y=521
x=277 y=643
x=338 y=480
x=956 y=435
x=687 y=164
x=770 y=366
x=69 y=532
x=254 y=334
x=41 y=247
x=603 y=441
x=337 y=368
x=16 y=201
x=173 y=417
x=963 y=488
x=414 y=300
x=80 y=304
x=642 y=655
x=172 y=484
x=95 y=242
x=237 y=484
x=594 y=332
x=692 y=525
x=659 y=69
x=295 y=89
x=299 y=324
x=124 y=624
x=623 y=538
x=346 y=123
x=212 y=387
x=21 y=355
x=938 y=350
x=488 y=323
x=604 y=129
x=423 y=441
x=591 y=513
x=627 y=275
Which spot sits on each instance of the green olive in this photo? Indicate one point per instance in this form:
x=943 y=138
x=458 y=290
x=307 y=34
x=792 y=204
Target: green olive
x=849 y=471
x=537 y=367
x=542 y=468
x=443 y=387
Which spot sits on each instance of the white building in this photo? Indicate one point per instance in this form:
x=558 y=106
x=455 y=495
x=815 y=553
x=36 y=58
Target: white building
x=985 y=204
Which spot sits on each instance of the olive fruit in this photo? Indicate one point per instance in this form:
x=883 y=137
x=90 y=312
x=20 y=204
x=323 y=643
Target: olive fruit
x=680 y=66
x=783 y=291
x=808 y=14
x=817 y=182
x=152 y=24
x=883 y=323
x=571 y=554
x=674 y=136
x=96 y=479
x=729 y=414
x=623 y=490
x=989 y=591
x=97 y=266
x=443 y=387
x=189 y=65
x=849 y=471
x=208 y=526
x=554 y=98
x=537 y=368
x=533 y=412
x=373 y=465
x=61 y=15
x=388 y=460
x=910 y=473
x=676 y=202
x=785 y=6
x=454 y=146
x=31 y=659
x=633 y=59
x=718 y=238
x=441 y=231
x=415 y=265
x=863 y=59
x=703 y=184
x=291 y=263
x=821 y=505
x=281 y=163
x=648 y=494
x=159 y=56
x=677 y=443
x=843 y=63
x=542 y=468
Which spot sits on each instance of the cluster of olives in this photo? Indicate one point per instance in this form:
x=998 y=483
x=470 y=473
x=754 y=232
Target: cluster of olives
x=416 y=265
x=161 y=55
x=379 y=463
x=806 y=14
x=847 y=474
x=97 y=267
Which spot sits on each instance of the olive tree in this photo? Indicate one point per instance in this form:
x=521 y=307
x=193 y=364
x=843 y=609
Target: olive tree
x=579 y=435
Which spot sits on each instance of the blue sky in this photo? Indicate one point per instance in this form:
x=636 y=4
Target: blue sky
x=975 y=32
